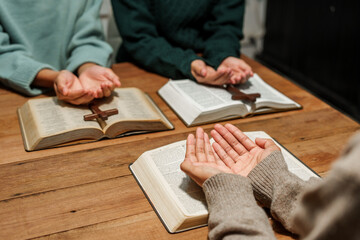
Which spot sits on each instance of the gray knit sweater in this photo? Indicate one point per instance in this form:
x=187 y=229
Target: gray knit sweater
x=315 y=209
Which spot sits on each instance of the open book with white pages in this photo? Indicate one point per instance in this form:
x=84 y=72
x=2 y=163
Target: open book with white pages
x=197 y=104
x=179 y=202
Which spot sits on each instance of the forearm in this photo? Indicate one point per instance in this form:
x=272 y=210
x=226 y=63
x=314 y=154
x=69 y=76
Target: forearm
x=142 y=42
x=225 y=31
x=164 y=59
x=278 y=189
x=45 y=78
x=330 y=210
x=88 y=42
x=18 y=68
x=20 y=72
x=84 y=66
x=233 y=211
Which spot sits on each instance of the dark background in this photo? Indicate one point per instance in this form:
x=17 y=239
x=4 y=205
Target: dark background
x=315 y=43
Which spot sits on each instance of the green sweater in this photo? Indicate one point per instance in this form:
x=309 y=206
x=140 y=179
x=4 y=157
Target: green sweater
x=38 y=34
x=164 y=36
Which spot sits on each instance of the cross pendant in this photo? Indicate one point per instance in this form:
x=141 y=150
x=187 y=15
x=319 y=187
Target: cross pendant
x=97 y=113
x=239 y=95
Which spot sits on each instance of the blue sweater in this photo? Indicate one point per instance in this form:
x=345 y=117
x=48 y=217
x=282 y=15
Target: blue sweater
x=38 y=34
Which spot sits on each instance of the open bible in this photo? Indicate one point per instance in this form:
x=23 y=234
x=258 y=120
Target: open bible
x=49 y=122
x=178 y=200
x=198 y=104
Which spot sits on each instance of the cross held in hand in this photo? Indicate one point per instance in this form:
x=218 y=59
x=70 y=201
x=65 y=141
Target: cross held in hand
x=97 y=113
x=239 y=95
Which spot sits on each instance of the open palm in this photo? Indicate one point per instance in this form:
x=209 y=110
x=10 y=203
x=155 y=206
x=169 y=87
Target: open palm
x=241 y=71
x=98 y=80
x=238 y=151
x=232 y=152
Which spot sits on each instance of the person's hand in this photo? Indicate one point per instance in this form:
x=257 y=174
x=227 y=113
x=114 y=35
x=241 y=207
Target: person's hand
x=207 y=75
x=97 y=80
x=241 y=71
x=237 y=151
x=200 y=161
x=68 y=88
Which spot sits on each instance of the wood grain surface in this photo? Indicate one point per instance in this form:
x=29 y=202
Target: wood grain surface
x=86 y=191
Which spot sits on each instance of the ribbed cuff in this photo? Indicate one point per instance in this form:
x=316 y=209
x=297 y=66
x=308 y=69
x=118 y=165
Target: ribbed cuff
x=23 y=77
x=227 y=191
x=266 y=175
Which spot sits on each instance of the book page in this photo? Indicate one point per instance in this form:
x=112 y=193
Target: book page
x=294 y=165
x=210 y=97
x=205 y=97
x=131 y=104
x=256 y=85
x=190 y=196
x=171 y=191
x=54 y=116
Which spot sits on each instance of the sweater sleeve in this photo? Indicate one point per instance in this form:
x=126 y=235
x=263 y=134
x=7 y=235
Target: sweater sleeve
x=145 y=46
x=330 y=210
x=233 y=211
x=278 y=189
x=18 y=68
x=87 y=43
x=224 y=30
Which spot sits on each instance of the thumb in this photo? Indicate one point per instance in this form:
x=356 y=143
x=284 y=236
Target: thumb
x=266 y=143
x=199 y=67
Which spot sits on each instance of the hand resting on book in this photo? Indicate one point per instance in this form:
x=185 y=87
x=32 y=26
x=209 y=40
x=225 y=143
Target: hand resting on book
x=241 y=71
x=232 y=152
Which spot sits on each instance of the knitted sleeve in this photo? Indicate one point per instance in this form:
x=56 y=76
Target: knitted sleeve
x=233 y=211
x=330 y=210
x=224 y=29
x=87 y=43
x=18 y=68
x=146 y=47
x=278 y=189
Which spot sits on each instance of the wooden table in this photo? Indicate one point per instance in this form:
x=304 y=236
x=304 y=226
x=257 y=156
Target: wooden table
x=86 y=191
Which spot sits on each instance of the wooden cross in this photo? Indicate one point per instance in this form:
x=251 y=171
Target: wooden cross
x=239 y=95
x=97 y=113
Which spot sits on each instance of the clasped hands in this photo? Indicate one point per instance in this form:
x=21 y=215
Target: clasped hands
x=232 y=70
x=93 y=81
x=232 y=152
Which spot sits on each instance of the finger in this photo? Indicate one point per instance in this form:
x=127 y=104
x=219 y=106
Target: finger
x=200 y=150
x=235 y=79
x=220 y=78
x=81 y=100
x=60 y=86
x=99 y=93
x=244 y=66
x=186 y=166
x=223 y=156
x=190 y=148
x=75 y=93
x=60 y=91
x=199 y=68
x=234 y=154
x=106 y=90
x=229 y=139
x=208 y=149
x=266 y=143
x=226 y=79
x=240 y=136
x=113 y=78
